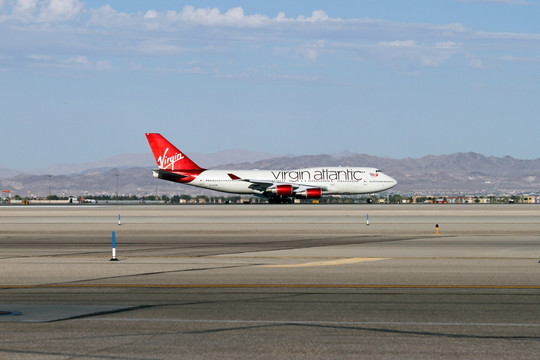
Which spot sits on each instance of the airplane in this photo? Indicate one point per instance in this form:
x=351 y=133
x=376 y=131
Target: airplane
x=278 y=186
x=88 y=201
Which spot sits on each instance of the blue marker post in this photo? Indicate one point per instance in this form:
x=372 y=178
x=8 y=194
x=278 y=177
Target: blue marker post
x=114 y=247
x=119 y=223
x=367 y=219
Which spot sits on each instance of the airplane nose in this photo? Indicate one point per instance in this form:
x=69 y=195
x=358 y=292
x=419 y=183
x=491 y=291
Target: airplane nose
x=391 y=181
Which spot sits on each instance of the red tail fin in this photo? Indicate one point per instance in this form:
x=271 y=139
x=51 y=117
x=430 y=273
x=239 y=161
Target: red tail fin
x=168 y=157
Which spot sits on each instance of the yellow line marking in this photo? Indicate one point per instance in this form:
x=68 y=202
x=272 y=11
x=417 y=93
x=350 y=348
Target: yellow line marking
x=270 y=286
x=325 y=263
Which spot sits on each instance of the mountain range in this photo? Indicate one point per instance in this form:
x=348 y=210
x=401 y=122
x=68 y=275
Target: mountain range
x=130 y=174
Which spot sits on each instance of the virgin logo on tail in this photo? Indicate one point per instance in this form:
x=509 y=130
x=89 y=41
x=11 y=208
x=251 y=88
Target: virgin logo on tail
x=168 y=162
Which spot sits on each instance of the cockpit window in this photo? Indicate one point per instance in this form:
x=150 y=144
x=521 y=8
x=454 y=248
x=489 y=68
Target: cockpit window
x=377 y=170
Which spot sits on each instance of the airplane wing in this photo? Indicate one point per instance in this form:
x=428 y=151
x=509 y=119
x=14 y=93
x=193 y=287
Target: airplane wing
x=275 y=186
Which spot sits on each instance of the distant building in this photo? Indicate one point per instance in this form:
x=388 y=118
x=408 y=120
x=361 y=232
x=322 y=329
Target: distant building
x=530 y=199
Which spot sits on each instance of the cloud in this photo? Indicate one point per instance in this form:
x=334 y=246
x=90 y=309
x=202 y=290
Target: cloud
x=521 y=59
x=83 y=63
x=181 y=70
x=78 y=63
x=316 y=16
x=398 y=43
x=451 y=45
x=236 y=17
x=214 y=17
x=67 y=27
x=409 y=55
x=314 y=49
x=206 y=17
x=159 y=47
x=105 y=16
x=38 y=57
x=43 y=11
x=24 y=10
x=59 y=10
x=506 y=36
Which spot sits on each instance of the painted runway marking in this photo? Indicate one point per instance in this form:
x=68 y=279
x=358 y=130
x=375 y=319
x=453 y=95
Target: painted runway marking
x=325 y=263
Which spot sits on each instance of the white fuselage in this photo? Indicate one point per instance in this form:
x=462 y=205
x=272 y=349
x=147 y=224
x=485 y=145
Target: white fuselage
x=332 y=180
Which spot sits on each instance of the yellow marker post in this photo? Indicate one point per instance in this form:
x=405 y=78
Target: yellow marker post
x=436 y=229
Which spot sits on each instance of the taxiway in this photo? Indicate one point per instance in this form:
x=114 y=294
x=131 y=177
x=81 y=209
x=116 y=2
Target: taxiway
x=281 y=281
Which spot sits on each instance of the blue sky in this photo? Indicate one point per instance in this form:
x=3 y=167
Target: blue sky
x=82 y=81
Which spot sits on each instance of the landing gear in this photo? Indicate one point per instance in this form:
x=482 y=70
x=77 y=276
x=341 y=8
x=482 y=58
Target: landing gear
x=280 y=200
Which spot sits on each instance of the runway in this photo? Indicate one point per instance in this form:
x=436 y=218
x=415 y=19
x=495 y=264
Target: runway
x=280 y=281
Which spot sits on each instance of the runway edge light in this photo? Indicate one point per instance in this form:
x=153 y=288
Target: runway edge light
x=114 y=247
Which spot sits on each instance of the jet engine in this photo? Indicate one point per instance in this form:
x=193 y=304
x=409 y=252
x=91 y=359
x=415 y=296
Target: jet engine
x=311 y=193
x=282 y=190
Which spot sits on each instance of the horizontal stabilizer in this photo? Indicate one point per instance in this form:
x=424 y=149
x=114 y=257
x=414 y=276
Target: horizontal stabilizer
x=166 y=175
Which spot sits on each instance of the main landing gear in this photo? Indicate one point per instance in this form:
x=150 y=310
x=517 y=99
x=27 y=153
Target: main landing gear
x=280 y=200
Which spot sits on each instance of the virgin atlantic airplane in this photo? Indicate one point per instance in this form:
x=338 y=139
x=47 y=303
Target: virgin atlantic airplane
x=278 y=186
